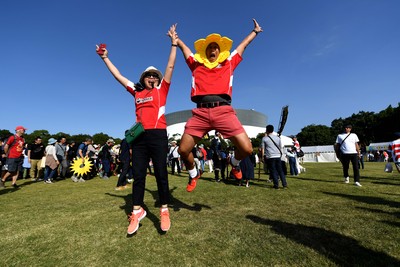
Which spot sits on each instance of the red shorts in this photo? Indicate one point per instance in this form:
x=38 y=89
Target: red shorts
x=222 y=119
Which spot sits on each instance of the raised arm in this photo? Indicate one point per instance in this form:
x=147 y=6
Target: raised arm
x=185 y=50
x=114 y=71
x=246 y=41
x=172 y=55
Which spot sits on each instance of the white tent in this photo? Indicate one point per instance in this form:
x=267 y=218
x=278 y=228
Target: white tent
x=319 y=154
x=378 y=146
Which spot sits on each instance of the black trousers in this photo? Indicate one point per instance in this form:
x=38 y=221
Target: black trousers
x=124 y=165
x=151 y=144
x=346 y=159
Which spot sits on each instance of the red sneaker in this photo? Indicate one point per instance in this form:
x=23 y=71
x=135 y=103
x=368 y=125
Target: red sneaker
x=236 y=172
x=192 y=183
x=134 y=220
x=165 y=221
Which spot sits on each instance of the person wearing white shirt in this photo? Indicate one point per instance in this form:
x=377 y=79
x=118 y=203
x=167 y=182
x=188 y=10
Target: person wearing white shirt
x=347 y=145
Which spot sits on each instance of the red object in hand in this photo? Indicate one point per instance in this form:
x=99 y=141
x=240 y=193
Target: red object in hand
x=101 y=47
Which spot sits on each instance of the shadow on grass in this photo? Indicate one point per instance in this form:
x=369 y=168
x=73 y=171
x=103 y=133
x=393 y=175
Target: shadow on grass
x=367 y=199
x=176 y=205
x=10 y=189
x=386 y=183
x=314 y=180
x=395 y=214
x=343 y=250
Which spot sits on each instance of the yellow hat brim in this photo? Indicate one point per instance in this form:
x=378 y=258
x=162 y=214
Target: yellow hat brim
x=224 y=43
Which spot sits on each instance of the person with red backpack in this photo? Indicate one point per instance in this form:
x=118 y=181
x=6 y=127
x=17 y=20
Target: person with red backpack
x=13 y=148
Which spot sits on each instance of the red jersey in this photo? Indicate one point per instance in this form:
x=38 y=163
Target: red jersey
x=216 y=81
x=395 y=147
x=15 y=148
x=150 y=105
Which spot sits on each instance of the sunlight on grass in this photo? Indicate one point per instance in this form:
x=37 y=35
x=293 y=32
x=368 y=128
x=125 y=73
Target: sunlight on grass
x=318 y=221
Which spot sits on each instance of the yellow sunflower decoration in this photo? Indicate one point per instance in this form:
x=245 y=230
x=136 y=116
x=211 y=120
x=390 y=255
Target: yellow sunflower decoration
x=80 y=168
x=224 y=43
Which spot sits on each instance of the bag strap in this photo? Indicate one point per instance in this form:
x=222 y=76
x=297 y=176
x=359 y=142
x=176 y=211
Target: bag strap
x=12 y=144
x=173 y=150
x=344 y=140
x=280 y=151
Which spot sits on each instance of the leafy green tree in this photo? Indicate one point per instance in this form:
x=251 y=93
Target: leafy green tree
x=101 y=138
x=314 y=135
x=44 y=134
x=79 y=138
x=5 y=134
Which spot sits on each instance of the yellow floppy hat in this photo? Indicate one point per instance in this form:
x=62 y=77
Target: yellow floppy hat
x=224 y=43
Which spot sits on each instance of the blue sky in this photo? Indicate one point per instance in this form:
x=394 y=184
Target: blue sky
x=325 y=59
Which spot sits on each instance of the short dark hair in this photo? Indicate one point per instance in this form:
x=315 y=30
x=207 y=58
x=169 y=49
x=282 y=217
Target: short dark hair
x=270 y=128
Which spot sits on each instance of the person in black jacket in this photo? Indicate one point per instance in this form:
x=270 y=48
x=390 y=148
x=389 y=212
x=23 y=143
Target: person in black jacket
x=124 y=159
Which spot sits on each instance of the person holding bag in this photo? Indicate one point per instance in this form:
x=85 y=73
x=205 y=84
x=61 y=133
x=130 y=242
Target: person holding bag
x=348 y=150
x=150 y=96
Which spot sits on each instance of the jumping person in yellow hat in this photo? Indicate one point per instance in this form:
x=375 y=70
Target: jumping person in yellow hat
x=212 y=74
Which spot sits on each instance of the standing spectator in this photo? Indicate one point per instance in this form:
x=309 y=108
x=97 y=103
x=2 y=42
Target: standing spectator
x=52 y=161
x=209 y=159
x=212 y=70
x=394 y=147
x=347 y=150
x=35 y=155
x=81 y=153
x=13 y=149
x=92 y=154
x=271 y=149
x=247 y=166
x=216 y=151
x=61 y=153
x=174 y=156
x=363 y=151
x=71 y=154
x=196 y=155
x=150 y=100
x=26 y=164
x=385 y=156
x=106 y=158
x=291 y=154
x=124 y=159
x=296 y=143
x=297 y=146
x=202 y=156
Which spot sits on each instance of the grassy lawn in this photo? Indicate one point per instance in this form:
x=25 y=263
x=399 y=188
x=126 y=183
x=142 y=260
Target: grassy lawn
x=318 y=221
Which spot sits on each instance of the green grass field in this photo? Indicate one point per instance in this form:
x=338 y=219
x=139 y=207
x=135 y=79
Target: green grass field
x=318 y=221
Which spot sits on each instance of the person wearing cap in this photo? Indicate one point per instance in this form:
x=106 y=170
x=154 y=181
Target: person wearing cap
x=348 y=150
x=394 y=147
x=52 y=161
x=13 y=149
x=82 y=153
x=173 y=155
x=150 y=96
x=212 y=75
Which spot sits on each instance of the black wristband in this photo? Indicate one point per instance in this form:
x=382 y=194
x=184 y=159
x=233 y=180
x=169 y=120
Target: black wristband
x=256 y=32
x=174 y=45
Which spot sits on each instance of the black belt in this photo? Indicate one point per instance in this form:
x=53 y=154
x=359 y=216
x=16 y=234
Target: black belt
x=212 y=104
